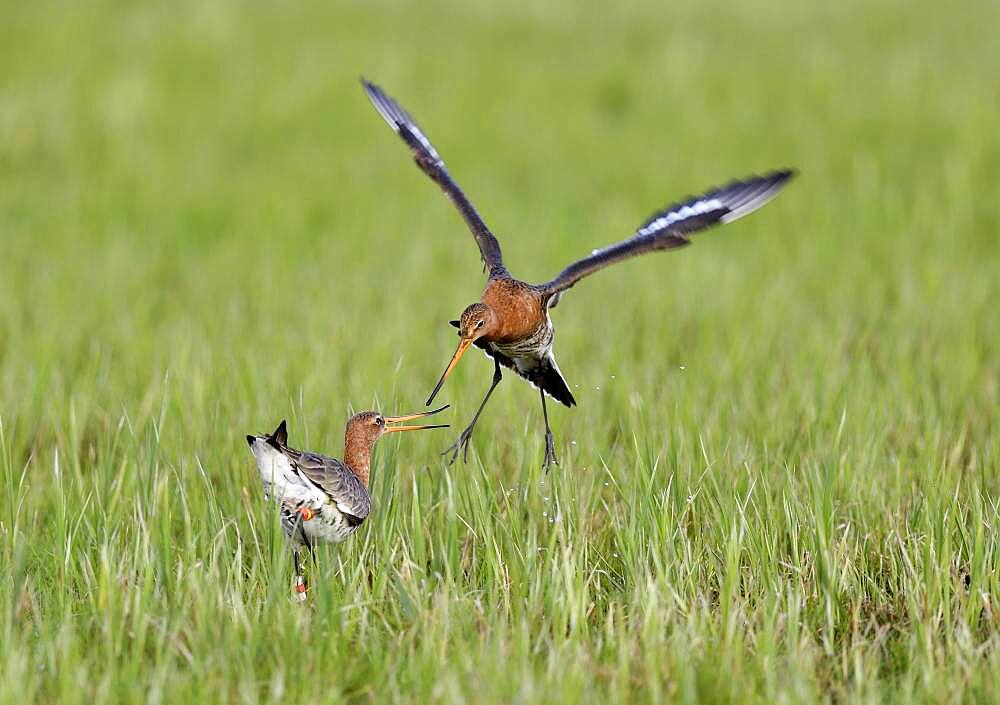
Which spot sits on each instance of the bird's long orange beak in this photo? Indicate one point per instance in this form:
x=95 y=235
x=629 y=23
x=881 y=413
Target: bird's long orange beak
x=410 y=417
x=463 y=345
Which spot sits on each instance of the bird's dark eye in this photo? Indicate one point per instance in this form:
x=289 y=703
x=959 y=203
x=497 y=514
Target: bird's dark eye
x=379 y=420
x=480 y=324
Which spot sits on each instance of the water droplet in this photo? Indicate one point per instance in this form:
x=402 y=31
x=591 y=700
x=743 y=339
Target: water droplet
x=572 y=443
x=683 y=368
x=545 y=498
x=612 y=376
x=615 y=555
x=605 y=484
x=545 y=514
x=597 y=389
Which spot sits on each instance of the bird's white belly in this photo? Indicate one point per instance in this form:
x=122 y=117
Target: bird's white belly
x=329 y=525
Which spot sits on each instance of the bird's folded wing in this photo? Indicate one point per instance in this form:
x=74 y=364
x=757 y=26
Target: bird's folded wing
x=430 y=163
x=337 y=481
x=671 y=227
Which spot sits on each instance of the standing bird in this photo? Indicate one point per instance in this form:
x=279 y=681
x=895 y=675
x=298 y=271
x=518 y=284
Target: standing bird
x=322 y=498
x=511 y=321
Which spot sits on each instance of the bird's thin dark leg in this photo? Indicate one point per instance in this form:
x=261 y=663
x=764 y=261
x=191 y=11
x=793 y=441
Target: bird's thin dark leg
x=550 y=446
x=462 y=444
x=300 y=580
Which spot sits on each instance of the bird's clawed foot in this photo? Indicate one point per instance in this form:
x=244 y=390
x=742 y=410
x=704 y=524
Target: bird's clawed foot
x=550 y=452
x=461 y=445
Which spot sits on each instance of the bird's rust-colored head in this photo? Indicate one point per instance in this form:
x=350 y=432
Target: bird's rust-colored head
x=365 y=428
x=477 y=320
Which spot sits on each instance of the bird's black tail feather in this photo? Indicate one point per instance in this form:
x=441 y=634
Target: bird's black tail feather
x=548 y=378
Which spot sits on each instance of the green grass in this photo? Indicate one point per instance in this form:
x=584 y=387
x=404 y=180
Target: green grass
x=784 y=490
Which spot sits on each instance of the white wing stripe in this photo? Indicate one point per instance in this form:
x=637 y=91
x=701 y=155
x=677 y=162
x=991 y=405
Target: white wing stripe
x=688 y=211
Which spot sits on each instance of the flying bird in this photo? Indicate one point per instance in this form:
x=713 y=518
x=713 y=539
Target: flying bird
x=323 y=498
x=511 y=322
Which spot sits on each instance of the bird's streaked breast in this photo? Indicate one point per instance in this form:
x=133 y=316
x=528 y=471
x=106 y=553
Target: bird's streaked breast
x=536 y=346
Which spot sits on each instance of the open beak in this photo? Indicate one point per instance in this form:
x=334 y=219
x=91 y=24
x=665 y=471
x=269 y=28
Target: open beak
x=410 y=417
x=463 y=345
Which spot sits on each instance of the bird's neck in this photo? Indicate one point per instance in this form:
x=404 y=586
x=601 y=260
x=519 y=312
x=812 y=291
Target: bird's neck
x=358 y=457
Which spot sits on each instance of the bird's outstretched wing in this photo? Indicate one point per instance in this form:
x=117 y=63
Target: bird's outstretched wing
x=430 y=163
x=335 y=479
x=670 y=228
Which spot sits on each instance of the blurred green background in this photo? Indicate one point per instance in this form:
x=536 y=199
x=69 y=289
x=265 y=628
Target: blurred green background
x=780 y=484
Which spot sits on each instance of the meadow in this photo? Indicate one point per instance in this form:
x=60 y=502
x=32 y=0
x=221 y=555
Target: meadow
x=781 y=482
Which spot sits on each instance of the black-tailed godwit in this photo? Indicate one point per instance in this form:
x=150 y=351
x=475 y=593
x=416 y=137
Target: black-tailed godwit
x=323 y=498
x=511 y=320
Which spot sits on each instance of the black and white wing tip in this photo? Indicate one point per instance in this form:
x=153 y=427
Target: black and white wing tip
x=720 y=205
x=398 y=119
x=743 y=197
